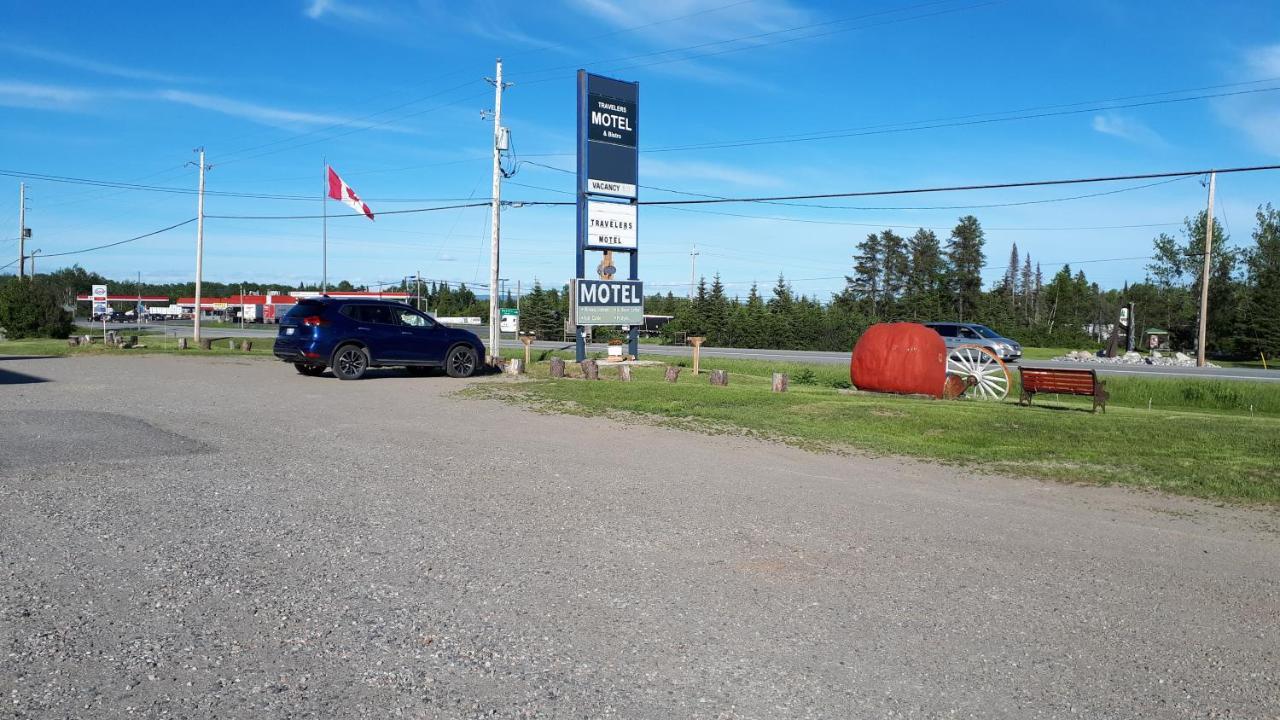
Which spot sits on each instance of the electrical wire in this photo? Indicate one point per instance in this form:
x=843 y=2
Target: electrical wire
x=119 y=242
x=331 y=216
x=963 y=188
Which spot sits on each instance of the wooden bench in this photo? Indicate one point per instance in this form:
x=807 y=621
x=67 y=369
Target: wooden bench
x=1067 y=381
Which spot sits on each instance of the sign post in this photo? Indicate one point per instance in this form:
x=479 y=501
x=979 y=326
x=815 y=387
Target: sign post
x=100 y=307
x=608 y=178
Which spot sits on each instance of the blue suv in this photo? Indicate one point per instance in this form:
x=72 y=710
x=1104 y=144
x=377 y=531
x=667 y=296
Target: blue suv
x=351 y=336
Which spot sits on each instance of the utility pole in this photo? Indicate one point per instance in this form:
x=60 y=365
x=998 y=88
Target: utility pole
x=693 y=269
x=195 y=333
x=22 y=230
x=241 y=307
x=499 y=141
x=34 y=253
x=1204 y=274
x=137 y=309
x=417 y=290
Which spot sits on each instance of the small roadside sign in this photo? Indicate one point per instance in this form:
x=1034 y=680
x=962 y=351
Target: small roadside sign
x=509 y=320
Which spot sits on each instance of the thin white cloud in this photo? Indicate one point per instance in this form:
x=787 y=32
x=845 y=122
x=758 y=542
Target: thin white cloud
x=1127 y=128
x=76 y=99
x=94 y=66
x=715 y=172
x=339 y=10
x=1256 y=116
x=43 y=97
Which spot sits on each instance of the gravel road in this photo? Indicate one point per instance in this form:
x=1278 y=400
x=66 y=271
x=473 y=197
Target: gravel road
x=220 y=537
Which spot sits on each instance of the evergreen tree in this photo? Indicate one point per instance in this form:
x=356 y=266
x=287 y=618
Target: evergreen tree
x=926 y=280
x=895 y=272
x=1028 y=290
x=717 y=313
x=868 y=268
x=1262 y=300
x=964 y=253
x=1011 y=279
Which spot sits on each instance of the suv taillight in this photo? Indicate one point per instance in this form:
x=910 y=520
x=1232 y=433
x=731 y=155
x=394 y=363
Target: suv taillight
x=314 y=321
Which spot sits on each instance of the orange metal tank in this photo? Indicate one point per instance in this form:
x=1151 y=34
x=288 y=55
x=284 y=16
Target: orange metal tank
x=903 y=358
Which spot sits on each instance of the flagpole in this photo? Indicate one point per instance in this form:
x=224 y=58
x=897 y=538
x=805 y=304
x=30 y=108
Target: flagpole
x=324 y=252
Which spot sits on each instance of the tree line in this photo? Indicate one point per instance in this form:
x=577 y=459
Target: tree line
x=918 y=278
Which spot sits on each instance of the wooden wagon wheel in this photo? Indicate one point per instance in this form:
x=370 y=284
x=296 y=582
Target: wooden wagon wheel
x=984 y=371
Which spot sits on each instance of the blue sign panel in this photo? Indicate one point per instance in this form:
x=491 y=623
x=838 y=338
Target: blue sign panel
x=608 y=167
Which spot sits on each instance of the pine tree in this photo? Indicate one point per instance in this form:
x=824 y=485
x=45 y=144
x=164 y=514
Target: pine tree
x=1028 y=289
x=1262 y=303
x=964 y=253
x=895 y=271
x=717 y=313
x=1011 y=278
x=1038 y=298
x=868 y=267
x=926 y=277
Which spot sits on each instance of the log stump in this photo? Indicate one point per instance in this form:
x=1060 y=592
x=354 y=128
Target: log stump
x=557 y=367
x=182 y=343
x=515 y=366
x=719 y=377
x=231 y=344
x=73 y=342
x=624 y=373
x=673 y=373
x=591 y=369
x=206 y=344
x=780 y=382
x=247 y=346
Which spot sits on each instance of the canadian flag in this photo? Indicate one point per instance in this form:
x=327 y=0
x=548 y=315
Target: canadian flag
x=339 y=190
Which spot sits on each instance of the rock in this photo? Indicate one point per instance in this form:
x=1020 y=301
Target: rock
x=1155 y=355
x=1181 y=357
x=557 y=367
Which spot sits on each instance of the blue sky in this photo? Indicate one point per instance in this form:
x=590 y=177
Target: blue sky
x=391 y=92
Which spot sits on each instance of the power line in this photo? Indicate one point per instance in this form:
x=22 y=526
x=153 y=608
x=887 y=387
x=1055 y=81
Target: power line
x=962 y=188
x=317 y=217
x=119 y=242
x=1035 y=112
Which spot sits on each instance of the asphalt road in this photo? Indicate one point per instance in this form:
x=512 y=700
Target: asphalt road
x=221 y=537
x=804 y=356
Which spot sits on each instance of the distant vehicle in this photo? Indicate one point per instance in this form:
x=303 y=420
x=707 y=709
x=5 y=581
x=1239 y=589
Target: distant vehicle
x=956 y=334
x=115 y=316
x=351 y=336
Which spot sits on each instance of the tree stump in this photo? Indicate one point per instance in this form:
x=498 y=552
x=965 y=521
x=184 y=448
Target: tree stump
x=719 y=377
x=247 y=346
x=624 y=373
x=673 y=372
x=206 y=344
x=557 y=367
x=73 y=342
x=182 y=343
x=779 y=382
x=111 y=337
x=132 y=341
x=514 y=366
x=591 y=369
x=86 y=340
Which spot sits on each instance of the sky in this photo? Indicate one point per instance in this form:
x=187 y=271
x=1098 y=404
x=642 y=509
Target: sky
x=390 y=92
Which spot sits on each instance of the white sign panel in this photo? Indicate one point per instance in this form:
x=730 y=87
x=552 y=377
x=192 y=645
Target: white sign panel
x=611 y=226
x=608 y=187
x=99 y=293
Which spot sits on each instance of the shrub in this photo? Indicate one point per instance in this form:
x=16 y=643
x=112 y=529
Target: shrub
x=31 y=308
x=804 y=376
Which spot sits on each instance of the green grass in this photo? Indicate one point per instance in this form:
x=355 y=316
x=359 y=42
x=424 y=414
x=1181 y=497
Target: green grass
x=154 y=344
x=1221 y=454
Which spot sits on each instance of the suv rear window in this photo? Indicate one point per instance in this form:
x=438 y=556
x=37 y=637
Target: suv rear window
x=380 y=314
x=305 y=308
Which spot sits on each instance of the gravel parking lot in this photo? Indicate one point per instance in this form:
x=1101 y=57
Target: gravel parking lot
x=209 y=538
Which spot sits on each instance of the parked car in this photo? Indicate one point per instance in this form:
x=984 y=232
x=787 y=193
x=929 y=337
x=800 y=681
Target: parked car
x=351 y=336
x=956 y=334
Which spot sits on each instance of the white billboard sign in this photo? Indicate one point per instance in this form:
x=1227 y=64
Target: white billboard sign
x=609 y=187
x=99 y=293
x=611 y=226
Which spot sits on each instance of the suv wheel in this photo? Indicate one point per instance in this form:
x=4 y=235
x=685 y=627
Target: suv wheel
x=350 y=362
x=309 y=370
x=461 y=362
